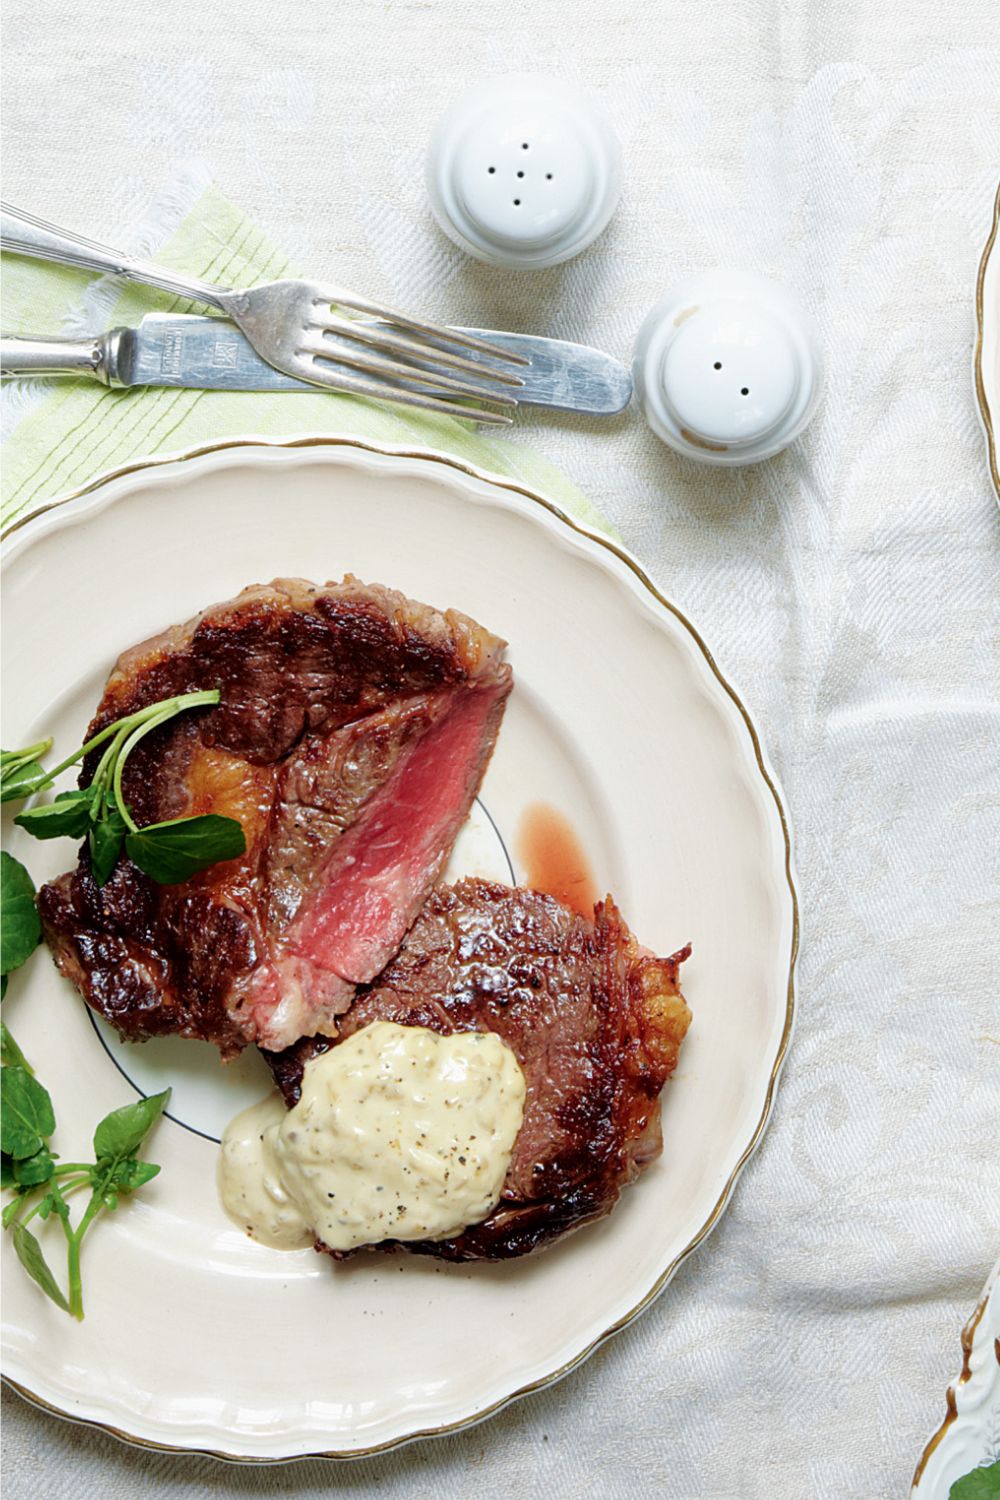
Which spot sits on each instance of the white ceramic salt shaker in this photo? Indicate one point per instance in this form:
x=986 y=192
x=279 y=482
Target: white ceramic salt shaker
x=728 y=367
x=524 y=171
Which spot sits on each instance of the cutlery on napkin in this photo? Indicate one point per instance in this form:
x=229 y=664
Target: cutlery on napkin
x=206 y=353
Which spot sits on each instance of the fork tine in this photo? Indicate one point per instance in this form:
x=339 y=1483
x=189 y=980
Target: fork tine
x=340 y=381
x=430 y=330
x=334 y=353
x=381 y=337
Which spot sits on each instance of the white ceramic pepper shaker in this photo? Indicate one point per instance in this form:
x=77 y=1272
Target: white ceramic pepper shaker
x=524 y=171
x=728 y=367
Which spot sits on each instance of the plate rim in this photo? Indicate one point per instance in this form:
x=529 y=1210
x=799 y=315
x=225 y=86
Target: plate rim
x=611 y=544
x=967 y=1342
x=985 y=415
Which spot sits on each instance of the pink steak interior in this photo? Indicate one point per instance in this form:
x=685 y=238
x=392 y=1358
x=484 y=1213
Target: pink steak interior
x=382 y=867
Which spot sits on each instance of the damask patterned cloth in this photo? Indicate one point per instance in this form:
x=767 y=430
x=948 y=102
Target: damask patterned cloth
x=849 y=587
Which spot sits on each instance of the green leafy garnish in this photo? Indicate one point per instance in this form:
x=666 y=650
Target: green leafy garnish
x=27 y=1117
x=34 y=1169
x=104 y=840
x=10 y=1053
x=18 y=767
x=29 y=1253
x=41 y=1183
x=981 y=1484
x=174 y=851
x=20 y=928
x=124 y=1130
x=167 y=852
x=67 y=817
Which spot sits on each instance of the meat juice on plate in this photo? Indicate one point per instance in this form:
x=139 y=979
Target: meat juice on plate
x=554 y=859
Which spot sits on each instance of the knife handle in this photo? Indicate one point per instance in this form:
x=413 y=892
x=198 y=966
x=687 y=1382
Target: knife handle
x=94 y=356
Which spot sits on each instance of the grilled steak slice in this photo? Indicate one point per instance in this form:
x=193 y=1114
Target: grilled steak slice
x=352 y=735
x=595 y=1023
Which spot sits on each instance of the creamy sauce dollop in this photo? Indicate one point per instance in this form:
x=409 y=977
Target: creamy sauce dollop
x=399 y=1134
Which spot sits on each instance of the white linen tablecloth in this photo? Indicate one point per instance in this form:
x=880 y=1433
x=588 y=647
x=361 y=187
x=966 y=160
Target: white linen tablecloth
x=849 y=587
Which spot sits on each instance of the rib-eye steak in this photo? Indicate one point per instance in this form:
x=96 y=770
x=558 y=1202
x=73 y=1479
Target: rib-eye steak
x=352 y=735
x=595 y=1022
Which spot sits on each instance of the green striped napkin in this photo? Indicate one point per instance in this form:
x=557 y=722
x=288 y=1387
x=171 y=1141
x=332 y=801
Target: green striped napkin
x=80 y=430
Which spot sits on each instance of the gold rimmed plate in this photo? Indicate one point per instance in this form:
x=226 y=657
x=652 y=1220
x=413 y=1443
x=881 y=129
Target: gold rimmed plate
x=986 y=360
x=969 y=1436
x=198 y=1339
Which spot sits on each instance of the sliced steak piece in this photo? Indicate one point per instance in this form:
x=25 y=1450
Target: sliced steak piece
x=352 y=735
x=595 y=1023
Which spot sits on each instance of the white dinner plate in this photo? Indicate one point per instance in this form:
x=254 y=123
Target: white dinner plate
x=196 y=1337
x=986 y=360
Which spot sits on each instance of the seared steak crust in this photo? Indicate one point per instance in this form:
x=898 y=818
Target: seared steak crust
x=595 y=1024
x=342 y=707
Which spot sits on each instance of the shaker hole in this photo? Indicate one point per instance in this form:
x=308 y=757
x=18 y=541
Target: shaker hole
x=745 y=391
x=520 y=174
x=517 y=203
x=548 y=177
x=524 y=145
x=717 y=365
x=491 y=169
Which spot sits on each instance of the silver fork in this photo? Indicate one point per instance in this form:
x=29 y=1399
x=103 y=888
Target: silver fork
x=294 y=326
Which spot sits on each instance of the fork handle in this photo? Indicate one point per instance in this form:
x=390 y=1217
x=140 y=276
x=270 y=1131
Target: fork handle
x=24 y=234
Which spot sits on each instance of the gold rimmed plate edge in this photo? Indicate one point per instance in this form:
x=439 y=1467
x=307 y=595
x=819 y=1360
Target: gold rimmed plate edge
x=389 y=450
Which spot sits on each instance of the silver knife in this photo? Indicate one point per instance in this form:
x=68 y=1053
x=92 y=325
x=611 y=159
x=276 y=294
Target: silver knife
x=212 y=355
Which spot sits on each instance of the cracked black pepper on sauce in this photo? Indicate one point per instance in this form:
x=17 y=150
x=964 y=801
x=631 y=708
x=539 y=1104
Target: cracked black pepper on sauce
x=399 y=1134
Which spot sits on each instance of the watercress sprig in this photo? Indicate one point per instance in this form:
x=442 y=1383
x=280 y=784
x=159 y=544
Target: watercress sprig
x=17 y=766
x=41 y=1183
x=20 y=927
x=980 y=1484
x=168 y=852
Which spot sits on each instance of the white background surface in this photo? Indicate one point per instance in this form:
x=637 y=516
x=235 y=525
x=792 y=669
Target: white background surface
x=848 y=586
